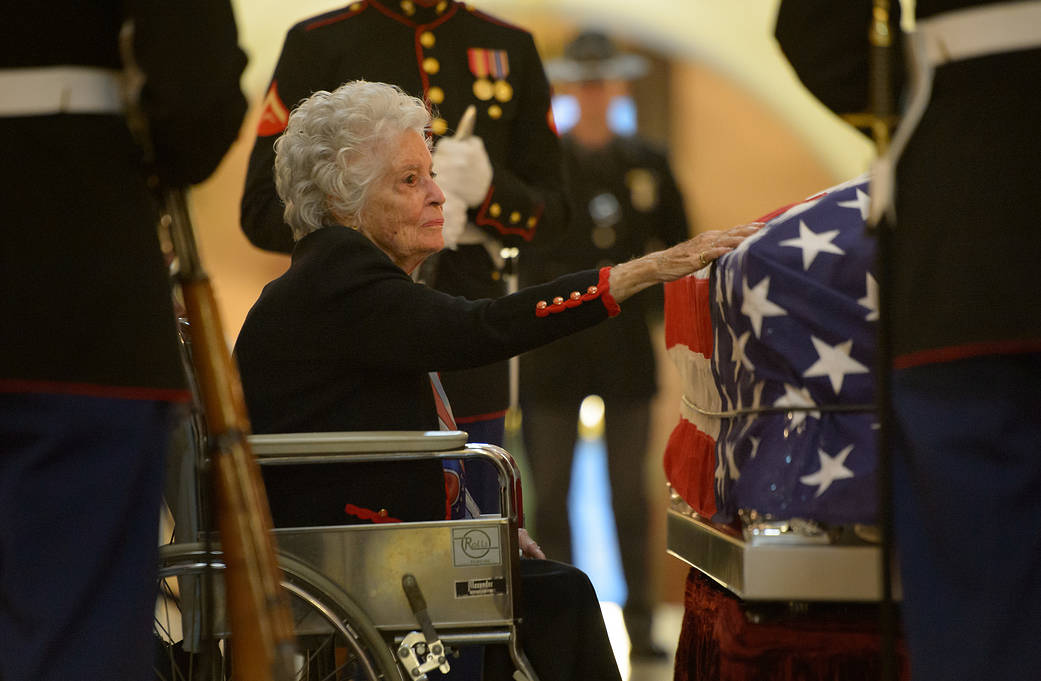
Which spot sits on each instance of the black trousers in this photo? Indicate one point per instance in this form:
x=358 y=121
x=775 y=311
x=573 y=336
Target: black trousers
x=562 y=630
x=550 y=429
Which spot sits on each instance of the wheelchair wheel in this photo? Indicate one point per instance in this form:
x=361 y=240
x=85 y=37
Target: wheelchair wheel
x=335 y=640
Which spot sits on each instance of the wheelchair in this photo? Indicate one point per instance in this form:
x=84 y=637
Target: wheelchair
x=380 y=602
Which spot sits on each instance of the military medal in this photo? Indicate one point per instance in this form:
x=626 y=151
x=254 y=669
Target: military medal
x=483 y=89
x=503 y=91
x=499 y=66
x=478 y=59
x=488 y=66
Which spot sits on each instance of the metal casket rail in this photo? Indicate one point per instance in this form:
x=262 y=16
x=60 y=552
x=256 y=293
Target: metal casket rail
x=775 y=571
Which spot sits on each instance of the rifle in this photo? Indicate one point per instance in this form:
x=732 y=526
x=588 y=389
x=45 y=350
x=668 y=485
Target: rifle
x=260 y=618
x=258 y=608
x=883 y=116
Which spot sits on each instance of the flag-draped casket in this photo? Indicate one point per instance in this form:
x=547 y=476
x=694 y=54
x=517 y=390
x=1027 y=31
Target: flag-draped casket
x=775 y=347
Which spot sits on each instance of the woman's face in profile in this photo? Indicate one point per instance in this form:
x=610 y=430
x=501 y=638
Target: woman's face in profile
x=403 y=213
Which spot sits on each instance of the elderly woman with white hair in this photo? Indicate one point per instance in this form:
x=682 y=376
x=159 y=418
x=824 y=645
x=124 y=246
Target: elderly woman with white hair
x=346 y=340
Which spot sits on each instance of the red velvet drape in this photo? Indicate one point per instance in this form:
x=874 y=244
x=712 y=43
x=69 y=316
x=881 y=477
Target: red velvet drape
x=726 y=639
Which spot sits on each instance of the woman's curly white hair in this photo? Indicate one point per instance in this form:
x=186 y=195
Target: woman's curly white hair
x=334 y=148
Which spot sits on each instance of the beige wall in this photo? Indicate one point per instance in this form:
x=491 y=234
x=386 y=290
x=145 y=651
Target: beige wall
x=238 y=269
x=734 y=159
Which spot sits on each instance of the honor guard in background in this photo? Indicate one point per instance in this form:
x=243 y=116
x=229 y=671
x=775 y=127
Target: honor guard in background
x=91 y=364
x=503 y=184
x=965 y=323
x=626 y=203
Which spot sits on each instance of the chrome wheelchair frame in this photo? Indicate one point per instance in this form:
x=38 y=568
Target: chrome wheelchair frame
x=381 y=602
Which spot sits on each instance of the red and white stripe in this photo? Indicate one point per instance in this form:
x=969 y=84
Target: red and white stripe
x=690 y=455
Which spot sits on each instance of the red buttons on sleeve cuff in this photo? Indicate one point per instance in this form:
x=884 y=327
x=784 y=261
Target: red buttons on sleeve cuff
x=576 y=298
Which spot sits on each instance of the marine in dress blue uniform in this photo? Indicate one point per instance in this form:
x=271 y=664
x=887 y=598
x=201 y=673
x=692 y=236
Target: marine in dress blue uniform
x=966 y=335
x=91 y=363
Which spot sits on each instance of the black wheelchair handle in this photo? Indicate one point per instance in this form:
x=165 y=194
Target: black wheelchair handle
x=418 y=604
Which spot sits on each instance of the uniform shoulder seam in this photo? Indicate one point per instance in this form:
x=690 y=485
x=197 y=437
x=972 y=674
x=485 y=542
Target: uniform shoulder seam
x=497 y=21
x=333 y=17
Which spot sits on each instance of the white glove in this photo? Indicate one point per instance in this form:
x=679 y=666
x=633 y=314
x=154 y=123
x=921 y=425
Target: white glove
x=463 y=168
x=454 y=212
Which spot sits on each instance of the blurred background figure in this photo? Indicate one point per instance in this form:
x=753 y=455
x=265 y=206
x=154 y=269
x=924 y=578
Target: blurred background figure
x=91 y=364
x=625 y=203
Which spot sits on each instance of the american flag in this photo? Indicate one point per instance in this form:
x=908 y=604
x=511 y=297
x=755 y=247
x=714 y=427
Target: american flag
x=775 y=346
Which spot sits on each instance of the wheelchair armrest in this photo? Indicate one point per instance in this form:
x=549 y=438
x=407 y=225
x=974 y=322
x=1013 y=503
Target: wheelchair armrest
x=370 y=446
x=283 y=444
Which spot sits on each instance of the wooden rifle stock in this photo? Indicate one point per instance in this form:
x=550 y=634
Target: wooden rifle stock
x=259 y=614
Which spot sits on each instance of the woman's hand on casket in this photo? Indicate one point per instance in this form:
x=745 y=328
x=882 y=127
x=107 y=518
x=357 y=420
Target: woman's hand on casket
x=697 y=253
x=680 y=260
x=528 y=547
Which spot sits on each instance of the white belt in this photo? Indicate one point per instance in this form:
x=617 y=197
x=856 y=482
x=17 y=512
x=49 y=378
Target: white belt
x=50 y=90
x=979 y=31
x=951 y=36
x=473 y=236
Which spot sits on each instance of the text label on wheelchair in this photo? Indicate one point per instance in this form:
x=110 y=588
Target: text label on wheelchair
x=489 y=586
x=474 y=546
